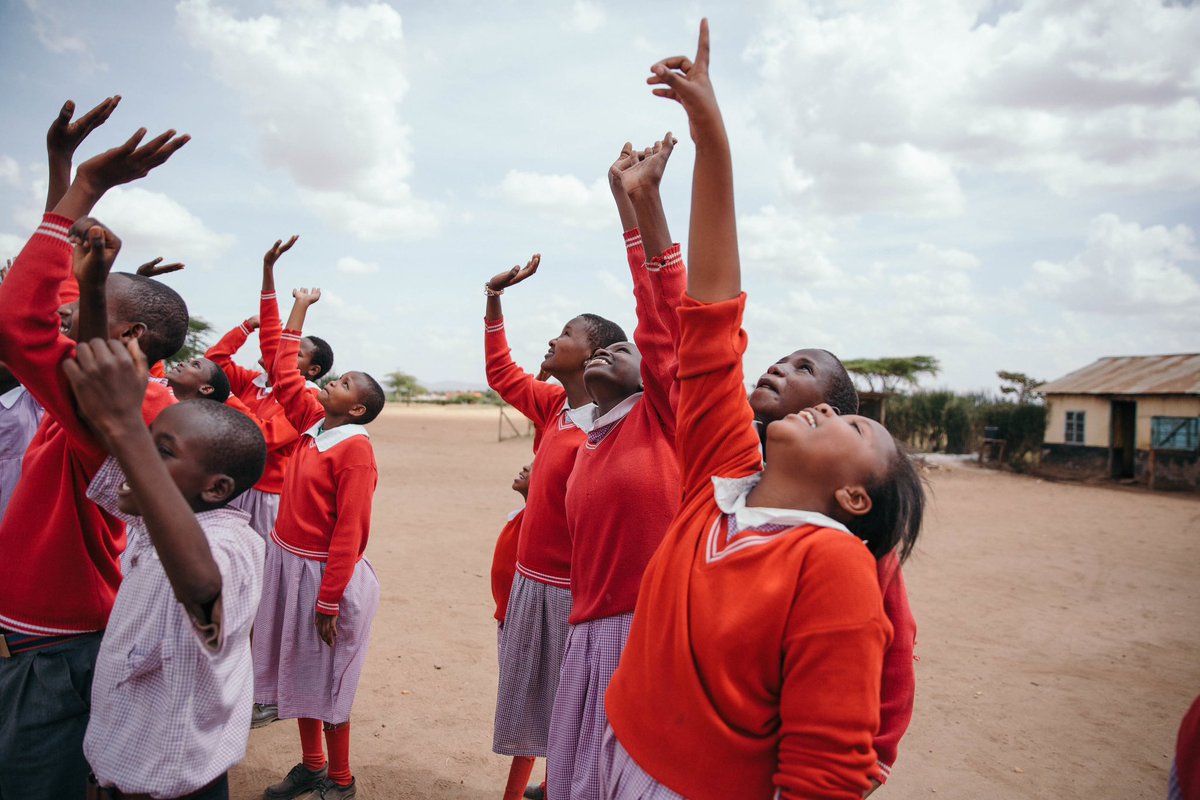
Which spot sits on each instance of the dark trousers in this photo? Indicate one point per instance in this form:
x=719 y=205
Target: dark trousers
x=217 y=790
x=45 y=697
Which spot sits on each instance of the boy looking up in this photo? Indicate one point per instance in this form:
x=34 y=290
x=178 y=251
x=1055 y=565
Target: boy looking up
x=56 y=601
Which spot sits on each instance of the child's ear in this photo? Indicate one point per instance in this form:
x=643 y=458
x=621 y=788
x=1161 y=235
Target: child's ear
x=854 y=500
x=313 y=372
x=205 y=388
x=357 y=410
x=133 y=331
x=217 y=490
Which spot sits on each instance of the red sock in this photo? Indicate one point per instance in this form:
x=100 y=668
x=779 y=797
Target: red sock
x=311 y=744
x=518 y=777
x=338 y=740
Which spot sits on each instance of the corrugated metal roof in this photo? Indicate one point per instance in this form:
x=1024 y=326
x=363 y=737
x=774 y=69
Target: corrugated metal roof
x=1174 y=374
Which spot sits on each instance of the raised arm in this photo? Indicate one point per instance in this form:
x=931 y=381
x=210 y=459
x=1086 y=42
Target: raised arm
x=109 y=380
x=63 y=139
x=223 y=351
x=268 y=310
x=299 y=405
x=714 y=271
x=91 y=263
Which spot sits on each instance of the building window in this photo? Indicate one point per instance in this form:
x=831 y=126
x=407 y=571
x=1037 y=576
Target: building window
x=1074 y=432
x=1175 y=433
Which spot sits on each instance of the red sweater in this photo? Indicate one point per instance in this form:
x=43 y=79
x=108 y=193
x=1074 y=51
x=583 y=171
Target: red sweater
x=325 y=508
x=761 y=662
x=281 y=437
x=504 y=563
x=624 y=489
x=62 y=550
x=543 y=545
x=899 y=680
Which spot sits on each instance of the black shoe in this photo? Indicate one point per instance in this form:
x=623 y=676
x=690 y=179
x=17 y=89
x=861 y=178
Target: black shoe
x=328 y=790
x=535 y=791
x=299 y=781
x=263 y=715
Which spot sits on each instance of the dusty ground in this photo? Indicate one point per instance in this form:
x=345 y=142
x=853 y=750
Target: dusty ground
x=1058 y=630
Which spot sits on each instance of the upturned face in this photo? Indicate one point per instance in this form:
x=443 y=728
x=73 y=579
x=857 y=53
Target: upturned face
x=569 y=349
x=303 y=360
x=191 y=379
x=342 y=397
x=800 y=380
x=183 y=452
x=613 y=371
x=520 y=483
x=119 y=325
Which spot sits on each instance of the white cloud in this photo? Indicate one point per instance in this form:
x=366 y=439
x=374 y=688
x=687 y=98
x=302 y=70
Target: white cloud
x=54 y=29
x=10 y=245
x=585 y=17
x=151 y=224
x=1126 y=269
x=789 y=244
x=10 y=171
x=886 y=107
x=349 y=265
x=563 y=198
x=323 y=84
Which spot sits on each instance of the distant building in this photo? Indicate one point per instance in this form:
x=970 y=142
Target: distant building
x=1128 y=417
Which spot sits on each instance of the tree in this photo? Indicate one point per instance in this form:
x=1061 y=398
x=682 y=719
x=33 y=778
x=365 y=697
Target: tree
x=403 y=386
x=887 y=375
x=196 y=342
x=1020 y=384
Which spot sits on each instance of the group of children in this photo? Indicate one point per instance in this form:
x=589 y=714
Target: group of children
x=706 y=598
x=185 y=546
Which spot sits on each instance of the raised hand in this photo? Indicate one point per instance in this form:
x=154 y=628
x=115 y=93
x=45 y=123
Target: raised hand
x=306 y=297
x=515 y=275
x=681 y=79
x=644 y=169
x=623 y=162
x=129 y=161
x=253 y=323
x=65 y=136
x=277 y=249
x=109 y=381
x=93 y=256
x=152 y=269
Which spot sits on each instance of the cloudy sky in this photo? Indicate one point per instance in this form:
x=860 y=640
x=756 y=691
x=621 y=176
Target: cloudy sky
x=1001 y=184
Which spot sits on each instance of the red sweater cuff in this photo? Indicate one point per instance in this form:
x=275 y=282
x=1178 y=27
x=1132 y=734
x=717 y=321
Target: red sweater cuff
x=294 y=334
x=329 y=609
x=493 y=326
x=633 y=238
x=670 y=260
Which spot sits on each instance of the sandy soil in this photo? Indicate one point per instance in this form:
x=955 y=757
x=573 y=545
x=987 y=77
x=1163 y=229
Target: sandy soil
x=1058 y=630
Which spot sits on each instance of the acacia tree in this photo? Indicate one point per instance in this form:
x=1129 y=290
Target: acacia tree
x=1020 y=384
x=403 y=386
x=196 y=342
x=888 y=375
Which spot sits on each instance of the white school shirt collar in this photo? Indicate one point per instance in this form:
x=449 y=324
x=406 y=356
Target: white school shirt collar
x=10 y=398
x=581 y=417
x=730 y=495
x=514 y=512
x=324 y=440
x=260 y=381
x=616 y=413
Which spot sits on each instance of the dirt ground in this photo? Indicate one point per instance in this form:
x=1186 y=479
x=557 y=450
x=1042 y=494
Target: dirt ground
x=1058 y=630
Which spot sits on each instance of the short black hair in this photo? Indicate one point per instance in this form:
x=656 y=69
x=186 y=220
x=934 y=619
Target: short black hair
x=219 y=382
x=841 y=394
x=233 y=444
x=322 y=356
x=160 y=309
x=603 y=332
x=897 y=508
x=373 y=398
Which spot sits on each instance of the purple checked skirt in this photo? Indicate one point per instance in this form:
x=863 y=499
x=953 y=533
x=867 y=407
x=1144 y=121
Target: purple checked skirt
x=578 y=721
x=293 y=668
x=532 y=640
x=263 y=508
x=622 y=779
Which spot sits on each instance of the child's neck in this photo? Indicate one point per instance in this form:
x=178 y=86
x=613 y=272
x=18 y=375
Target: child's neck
x=780 y=491
x=577 y=393
x=336 y=422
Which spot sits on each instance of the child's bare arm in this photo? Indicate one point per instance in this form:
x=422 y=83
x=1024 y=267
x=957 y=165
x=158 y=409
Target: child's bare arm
x=496 y=286
x=121 y=164
x=714 y=272
x=64 y=137
x=620 y=193
x=640 y=176
x=91 y=262
x=109 y=380
x=268 y=309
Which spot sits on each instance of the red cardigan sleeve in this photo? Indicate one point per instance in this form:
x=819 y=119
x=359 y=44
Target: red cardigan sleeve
x=222 y=353
x=299 y=405
x=30 y=341
x=668 y=280
x=355 y=489
x=269 y=327
x=899 y=675
x=539 y=401
x=656 y=333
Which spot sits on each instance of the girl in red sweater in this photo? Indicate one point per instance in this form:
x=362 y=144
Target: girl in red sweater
x=319 y=593
x=534 y=630
x=759 y=634
x=624 y=488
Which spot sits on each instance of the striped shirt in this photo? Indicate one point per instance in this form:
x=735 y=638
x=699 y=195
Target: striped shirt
x=171 y=697
x=19 y=418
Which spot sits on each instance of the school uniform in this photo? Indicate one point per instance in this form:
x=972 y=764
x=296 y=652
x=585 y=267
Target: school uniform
x=504 y=562
x=759 y=635
x=20 y=415
x=315 y=561
x=54 y=607
x=534 y=632
x=251 y=387
x=171 y=696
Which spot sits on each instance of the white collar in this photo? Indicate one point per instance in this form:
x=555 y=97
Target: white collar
x=10 y=398
x=514 y=512
x=581 y=417
x=324 y=440
x=615 y=413
x=730 y=495
x=260 y=380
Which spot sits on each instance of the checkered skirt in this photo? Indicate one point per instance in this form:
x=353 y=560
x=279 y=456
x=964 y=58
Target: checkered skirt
x=578 y=721
x=622 y=778
x=263 y=508
x=532 y=639
x=293 y=668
